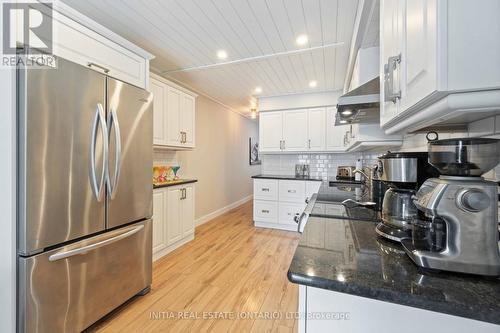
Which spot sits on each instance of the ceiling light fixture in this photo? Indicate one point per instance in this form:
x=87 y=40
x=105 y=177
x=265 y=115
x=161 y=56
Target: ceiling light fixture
x=221 y=54
x=346 y=112
x=302 y=39
x=258 y=90
x=343 y=121
x=313 y=84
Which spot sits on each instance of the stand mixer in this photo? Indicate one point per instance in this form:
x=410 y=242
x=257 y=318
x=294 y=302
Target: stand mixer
x=457 y=224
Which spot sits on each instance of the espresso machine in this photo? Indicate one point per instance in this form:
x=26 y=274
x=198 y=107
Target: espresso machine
x=456 y=228
x=403 y=173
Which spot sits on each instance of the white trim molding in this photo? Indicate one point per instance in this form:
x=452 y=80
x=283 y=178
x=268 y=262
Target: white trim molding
x=220 y=211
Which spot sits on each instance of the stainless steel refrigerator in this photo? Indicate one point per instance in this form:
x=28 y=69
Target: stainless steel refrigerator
x=84 y=194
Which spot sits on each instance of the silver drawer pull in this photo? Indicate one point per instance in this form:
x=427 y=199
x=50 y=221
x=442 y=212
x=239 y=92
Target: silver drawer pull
x=265 y=211
x=292 y=191
x=265 y=190
x=93 y=64
x=85 y=249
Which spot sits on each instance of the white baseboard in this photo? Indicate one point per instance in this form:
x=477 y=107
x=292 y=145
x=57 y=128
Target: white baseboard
x=158 y=254
x=220 y=211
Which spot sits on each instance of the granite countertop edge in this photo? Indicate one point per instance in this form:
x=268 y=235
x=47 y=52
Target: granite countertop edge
x=284 y=177
x=182 y=182
x=386 y=295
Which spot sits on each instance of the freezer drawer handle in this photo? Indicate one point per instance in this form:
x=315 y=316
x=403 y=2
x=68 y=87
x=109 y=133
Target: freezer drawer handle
x=112 y=186
x=99 y=118
x=87 y=248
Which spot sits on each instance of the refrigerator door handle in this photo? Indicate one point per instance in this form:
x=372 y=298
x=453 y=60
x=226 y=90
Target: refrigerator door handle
x=113 y=121
x=84 y=249
x=99 y=119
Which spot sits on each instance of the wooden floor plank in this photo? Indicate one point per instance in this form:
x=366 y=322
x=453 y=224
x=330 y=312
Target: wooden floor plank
x=229 y=279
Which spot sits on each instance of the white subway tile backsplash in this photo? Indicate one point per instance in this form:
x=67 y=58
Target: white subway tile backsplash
x=321 y=165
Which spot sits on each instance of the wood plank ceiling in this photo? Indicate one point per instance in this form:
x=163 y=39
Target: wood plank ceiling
x=188 y=33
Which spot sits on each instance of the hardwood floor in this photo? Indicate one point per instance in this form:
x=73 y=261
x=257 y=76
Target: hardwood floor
x=233 y=274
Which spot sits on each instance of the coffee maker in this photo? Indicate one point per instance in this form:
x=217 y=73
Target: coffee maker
x=403 y=173
x=457 y=224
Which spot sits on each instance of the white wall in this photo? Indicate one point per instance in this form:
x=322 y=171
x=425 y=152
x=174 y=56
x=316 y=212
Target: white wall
x=220 y=159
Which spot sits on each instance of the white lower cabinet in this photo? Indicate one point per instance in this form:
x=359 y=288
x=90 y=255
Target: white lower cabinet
x=277 y=202
x=173 y=218
x=288 y=212
x=354 y=314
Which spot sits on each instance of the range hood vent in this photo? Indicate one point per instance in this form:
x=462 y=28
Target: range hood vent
x=361 y=105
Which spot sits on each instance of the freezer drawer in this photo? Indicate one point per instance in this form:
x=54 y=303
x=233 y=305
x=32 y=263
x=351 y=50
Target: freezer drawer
x=70 y=288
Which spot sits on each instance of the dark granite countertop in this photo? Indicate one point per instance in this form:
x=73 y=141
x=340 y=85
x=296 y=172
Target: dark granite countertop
x=316 y=179
x=346 y=256
x=176 y=183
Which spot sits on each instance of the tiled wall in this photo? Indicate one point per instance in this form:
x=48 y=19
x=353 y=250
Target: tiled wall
x=321 y=165
x=325 y=165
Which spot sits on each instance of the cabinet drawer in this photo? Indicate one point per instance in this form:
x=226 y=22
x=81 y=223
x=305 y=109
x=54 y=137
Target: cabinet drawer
x=265 y=189
x=287 y=212
x=79 y=44
x=265 y=211
x=292 y=191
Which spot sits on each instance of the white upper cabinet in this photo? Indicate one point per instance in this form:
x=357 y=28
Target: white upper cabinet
x=363 y=137
x=295 y=130
x=335 y=135
x=159 y=91
x=316 y=123
x=174 y=115
x=313 y=130
x=271 y=131
x=187 y=120
x=438 y=62
x=79 y=39
x=173 y=112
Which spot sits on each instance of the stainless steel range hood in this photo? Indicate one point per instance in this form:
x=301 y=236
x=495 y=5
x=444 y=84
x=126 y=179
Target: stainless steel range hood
x=361 y=105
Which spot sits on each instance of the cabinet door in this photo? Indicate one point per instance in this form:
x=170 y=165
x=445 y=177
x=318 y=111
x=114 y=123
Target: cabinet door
x=295 y=130
x=173 y=117
x=334 y=134
x=187 y=119
x=159 y=112
x=159 y=220
x=270 y=131
x=288 y=211
x=391 y=27
x=174 y=228
x=187 y=214
x=312 y=187
x=316 y=130
x=419 y=59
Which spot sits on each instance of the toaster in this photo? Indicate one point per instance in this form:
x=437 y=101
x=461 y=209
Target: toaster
x=345 y=172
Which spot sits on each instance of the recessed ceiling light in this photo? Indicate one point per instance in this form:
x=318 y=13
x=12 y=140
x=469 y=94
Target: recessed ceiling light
x=313 y=84
x=302 y=39
x=221 y=54
x=346 y=112
x=258 y=90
